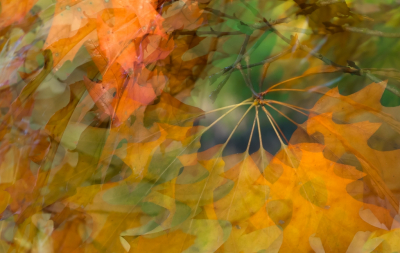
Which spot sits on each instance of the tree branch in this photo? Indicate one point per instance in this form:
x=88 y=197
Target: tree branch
x=371 y=32
x=345 y=69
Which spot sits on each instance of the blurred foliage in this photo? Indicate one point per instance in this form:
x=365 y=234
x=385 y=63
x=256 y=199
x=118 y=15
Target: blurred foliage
x=199 y=126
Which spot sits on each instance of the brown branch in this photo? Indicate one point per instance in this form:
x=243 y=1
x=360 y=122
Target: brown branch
x=215 y=93
x=328 y=2
x=212 y=32
x=371 y=32
x=345 y=69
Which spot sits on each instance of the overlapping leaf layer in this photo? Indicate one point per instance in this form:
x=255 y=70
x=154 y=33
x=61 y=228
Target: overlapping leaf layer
x=102 y=146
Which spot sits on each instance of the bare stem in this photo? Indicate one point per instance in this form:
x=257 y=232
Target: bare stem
x=345 y=69
x=371 y=32
x=241 y=168
x=273 y=123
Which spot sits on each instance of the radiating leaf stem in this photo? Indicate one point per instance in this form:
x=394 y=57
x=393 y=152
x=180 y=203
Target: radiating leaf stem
x=241 y=168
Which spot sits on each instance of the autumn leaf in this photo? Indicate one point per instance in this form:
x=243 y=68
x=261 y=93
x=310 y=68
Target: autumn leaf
x=19 y=10
x=199 y=126
x=310 y=198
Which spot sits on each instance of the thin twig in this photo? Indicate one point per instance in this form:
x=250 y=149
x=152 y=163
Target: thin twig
x=293 y=107
x=328 y=2
x=247 y=81
x=215 y=93
x=272 y=120
x=345 y=69
x=241 y=168
x=371 y=32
